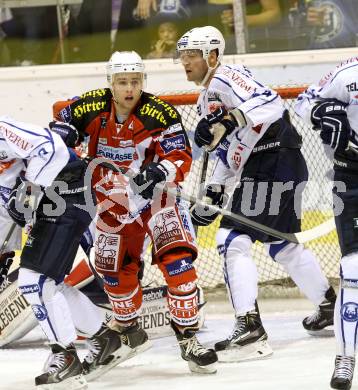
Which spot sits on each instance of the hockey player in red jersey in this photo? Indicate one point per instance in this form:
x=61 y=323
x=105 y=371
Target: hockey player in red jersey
x=143 y=136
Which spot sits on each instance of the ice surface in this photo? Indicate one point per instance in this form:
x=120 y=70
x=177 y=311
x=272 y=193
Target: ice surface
x=299 y=362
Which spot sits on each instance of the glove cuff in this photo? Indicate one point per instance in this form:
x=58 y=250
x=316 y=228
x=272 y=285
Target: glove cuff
x=169 y=169
x=238 y=117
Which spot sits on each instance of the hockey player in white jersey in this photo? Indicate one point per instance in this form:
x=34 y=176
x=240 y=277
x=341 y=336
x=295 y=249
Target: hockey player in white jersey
x=331 y=107
x=33 y=157
x=257 y=147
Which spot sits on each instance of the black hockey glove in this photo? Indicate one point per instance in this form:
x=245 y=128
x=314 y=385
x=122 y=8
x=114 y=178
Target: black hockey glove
x=215 y=195
x=67 y=132
x=330 y=117
x=22 y=202
x=205 y=129
x=145 y=182
x=6 y=260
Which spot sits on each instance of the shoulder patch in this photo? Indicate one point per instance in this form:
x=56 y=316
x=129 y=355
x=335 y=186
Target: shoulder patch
x=91 y=104
x=176 y=142
x=156 y=113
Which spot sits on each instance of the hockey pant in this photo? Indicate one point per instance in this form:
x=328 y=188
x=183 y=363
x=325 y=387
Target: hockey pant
x=241 y=274
x=59 y=309
x=118 y=259
x=346 y=308
x=52 y=245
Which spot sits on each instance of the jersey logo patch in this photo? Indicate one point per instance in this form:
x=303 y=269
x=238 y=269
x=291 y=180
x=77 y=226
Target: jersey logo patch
x=179 y=266
x=173 y=143
x=29 y=289
x=110 y=280
x=65 y=114
x=106 y=252
x=117 y=154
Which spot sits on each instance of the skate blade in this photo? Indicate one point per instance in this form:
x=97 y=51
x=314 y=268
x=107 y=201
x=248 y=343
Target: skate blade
x=77 y=382
x=253 y=351
x=209 y=369
x=122 y=354
x=325 y=332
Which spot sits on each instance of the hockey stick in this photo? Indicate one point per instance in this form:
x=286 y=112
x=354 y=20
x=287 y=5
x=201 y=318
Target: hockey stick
x=297 y=238
x=204 y=169
x=7 y=238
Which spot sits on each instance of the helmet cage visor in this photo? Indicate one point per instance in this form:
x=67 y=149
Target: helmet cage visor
x=188 y=55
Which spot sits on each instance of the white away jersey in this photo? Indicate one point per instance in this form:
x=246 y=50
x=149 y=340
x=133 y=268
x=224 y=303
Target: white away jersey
x=234 y=87
x=341 y=84
x=24 y=147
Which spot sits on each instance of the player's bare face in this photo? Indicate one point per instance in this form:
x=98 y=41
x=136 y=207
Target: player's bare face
x=127 y=88
x=194 y=65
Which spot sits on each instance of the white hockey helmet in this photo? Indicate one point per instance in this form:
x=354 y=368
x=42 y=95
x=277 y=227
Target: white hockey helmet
x=124 y=62
x=205 y=38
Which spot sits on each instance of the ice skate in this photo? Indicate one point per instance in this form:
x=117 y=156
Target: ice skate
x=109 y=347
x=247 y=341
x=343 y=372
x=200 y=360
x=63 y=370
x=320 y=323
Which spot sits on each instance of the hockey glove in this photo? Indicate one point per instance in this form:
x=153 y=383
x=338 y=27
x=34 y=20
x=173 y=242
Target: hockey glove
x=330 y=117
x=214 y=195
x=6 y=260
x=67 y=132
x=214 y=127
x=145 y=182
x=22 y=202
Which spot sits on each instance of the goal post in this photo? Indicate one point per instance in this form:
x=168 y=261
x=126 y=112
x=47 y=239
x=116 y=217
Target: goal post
x=317 y=208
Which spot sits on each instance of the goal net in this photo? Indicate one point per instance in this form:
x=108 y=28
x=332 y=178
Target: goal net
x=317 y=207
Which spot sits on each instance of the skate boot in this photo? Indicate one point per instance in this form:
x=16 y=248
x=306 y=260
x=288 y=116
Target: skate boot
x=343 y=372
x=247 y=341
x=200 y=359
x=63 y=370
x=111 y=346
x=317 y=323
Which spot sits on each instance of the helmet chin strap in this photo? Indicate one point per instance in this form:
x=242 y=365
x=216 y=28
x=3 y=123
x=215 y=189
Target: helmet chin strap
x=208 y=73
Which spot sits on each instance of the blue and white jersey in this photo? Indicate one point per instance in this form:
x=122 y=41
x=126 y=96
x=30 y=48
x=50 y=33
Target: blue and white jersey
x=40 y=153
x=234 y=87
x=341 y=84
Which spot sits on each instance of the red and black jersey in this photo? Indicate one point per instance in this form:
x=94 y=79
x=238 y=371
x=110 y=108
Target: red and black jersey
x=153 y=131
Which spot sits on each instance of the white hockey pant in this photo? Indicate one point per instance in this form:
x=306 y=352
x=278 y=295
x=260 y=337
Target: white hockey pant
x=239 y=269
x=303 y=267
x=60 y=309
x=241 y=275
x=346 y=308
